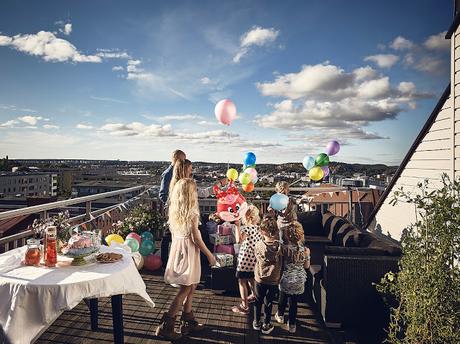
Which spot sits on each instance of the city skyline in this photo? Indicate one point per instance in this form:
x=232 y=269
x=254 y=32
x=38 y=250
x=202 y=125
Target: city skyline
x=93 y=81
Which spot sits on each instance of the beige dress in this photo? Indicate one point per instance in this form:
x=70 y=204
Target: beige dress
x=184 y=265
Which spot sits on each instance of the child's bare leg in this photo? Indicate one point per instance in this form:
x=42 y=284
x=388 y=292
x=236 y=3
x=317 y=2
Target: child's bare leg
x=178 y=300
x=252 y=286
x=189 y=299
x=243 y=284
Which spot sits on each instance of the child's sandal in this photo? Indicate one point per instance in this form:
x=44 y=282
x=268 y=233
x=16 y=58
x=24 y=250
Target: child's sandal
x=251 y=298
x=240 y=309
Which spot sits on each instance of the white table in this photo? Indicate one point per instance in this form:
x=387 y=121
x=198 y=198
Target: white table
x=32 y=298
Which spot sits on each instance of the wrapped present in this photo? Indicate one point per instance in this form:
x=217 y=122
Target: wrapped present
x=225 y=229
x=224 y=259
x=227 y=249
x=211 y=227
x=218 y=239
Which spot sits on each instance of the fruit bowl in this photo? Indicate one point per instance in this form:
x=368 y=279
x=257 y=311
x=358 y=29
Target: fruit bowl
x=79 y=255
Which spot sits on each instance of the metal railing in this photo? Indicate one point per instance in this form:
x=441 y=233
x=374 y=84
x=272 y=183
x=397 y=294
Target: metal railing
x=19 y=239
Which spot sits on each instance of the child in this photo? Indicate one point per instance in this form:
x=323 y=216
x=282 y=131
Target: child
x=289 y=214
x=296 y=259
x=183 y=268
x=248 y=235
x=267 y=272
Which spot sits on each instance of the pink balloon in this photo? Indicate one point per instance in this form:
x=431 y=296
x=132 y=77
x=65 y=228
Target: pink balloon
x=152 y=262
x=252 y=172
x=135 y=236
x=225 y=111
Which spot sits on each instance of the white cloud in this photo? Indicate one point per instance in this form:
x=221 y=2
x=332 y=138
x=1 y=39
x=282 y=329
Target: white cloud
x=313 y=80
x=31 y=120
x=46 y=45
x=178 y=118
x=205 y=80
x=113 y=54
x=364 y=73
x=257 y=36
x=437 y=42
x=9 y=124
x=328 y=98
x=401 y=43
x=138 y=129
x=108 y=99
x=67 y=29
x=383 y=60
x=117 y=68
x=50 y=126
x=84 y=126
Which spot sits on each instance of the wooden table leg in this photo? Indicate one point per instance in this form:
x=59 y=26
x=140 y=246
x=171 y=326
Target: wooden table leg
x=94 y=311
x=117 y=316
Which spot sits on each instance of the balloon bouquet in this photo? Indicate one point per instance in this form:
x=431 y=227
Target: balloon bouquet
x=318 y=168
x=248 y=176
x=143 y=245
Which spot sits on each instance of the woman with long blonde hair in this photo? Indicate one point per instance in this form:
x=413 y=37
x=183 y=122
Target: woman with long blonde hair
x=184 y=266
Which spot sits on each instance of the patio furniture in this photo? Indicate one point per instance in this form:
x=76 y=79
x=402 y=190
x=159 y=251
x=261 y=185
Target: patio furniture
x=345 y=262
x=34 y=297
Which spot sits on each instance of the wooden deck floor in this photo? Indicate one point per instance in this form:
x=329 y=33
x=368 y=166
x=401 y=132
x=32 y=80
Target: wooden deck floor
x=212 y=309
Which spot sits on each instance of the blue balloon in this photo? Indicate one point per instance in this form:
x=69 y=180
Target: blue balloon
x=308 y=162
x=279 y=201
x=146 y=236
x=250 y=159
x=147 y=247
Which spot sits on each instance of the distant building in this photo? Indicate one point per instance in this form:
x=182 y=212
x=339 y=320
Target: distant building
x=28 y=184
x=96 y=187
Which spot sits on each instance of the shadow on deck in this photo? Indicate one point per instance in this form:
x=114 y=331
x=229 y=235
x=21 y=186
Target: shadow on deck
x=212 y=309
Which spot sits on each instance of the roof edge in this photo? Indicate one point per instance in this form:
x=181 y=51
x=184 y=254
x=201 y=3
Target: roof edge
x=453 y=27
x=409 y=154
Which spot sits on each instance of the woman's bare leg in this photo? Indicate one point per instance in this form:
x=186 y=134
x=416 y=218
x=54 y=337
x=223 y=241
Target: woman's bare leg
x=189 y=299
x=178 y=300
x=243 y=285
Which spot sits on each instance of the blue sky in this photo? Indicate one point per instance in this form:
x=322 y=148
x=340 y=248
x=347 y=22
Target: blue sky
x=135 y=80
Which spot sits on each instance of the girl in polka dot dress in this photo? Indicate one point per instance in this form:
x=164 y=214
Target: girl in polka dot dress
x=247 y=235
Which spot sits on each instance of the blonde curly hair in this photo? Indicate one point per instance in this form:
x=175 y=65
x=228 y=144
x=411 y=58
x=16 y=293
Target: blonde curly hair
x=282 y=187
x=183 y=208
x=252 y=216
x=293 y=233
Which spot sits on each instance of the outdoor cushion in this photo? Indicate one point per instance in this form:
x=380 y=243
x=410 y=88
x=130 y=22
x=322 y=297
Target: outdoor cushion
x=343 y=230
x=311 y=223
x=326 y=221
x=352 y=238
x=384 y=246
x=336 y=223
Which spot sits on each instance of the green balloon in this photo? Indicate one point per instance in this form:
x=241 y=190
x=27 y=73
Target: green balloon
x=322 y=159
x=147 y=247
x=245 y=178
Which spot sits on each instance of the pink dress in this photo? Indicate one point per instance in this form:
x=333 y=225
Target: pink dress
x=184 y=265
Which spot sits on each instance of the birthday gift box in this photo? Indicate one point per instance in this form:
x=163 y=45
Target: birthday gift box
x=227 y=249
x=224 y=259
x=225 y=229
x=218 y=239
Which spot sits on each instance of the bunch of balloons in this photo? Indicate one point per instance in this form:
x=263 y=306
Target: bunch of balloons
x=318 y=167
x=225 y=111
x=248 y=175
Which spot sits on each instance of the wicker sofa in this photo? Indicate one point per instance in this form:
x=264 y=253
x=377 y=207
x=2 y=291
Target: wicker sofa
x=345 y=263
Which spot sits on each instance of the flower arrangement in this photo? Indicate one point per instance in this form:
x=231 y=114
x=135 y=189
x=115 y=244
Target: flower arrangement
x=139 y=220
x=61 y=221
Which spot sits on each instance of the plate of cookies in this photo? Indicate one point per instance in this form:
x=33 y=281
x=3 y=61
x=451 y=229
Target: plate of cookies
x=108 y=257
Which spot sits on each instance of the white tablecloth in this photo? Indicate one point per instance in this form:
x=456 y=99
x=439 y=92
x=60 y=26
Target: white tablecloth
x=32 y=298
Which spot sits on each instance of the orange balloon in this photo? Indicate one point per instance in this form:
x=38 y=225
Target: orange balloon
x=248 y=187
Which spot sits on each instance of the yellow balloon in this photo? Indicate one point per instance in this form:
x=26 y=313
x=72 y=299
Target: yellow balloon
x=114 y=237
x=232 y=174
x=316 y=173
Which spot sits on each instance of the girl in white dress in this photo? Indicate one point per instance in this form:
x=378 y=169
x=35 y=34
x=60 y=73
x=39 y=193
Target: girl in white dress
x=184 y=267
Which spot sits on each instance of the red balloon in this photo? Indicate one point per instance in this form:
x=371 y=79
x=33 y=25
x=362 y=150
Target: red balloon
x=152 y=262
x=135 y=236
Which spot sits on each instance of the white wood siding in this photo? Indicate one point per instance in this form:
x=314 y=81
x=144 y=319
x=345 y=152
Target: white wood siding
x=437 y=153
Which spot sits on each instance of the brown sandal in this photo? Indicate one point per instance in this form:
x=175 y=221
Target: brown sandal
x=240 y=309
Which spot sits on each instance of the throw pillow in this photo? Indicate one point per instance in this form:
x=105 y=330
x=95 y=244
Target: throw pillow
x=311 y=223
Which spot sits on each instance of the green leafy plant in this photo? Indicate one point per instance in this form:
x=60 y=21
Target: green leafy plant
x=61 y=221
x=141 y=219
x=425 y=295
